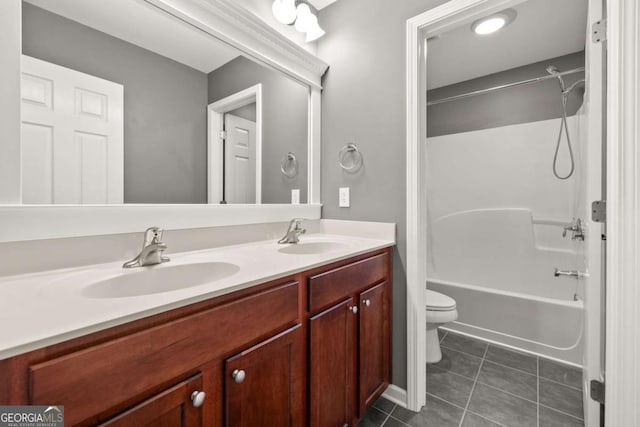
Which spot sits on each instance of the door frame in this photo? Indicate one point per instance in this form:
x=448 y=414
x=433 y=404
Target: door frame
x=215 y=154
x=622 y=346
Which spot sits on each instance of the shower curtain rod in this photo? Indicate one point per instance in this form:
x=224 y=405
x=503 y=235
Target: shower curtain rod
x=508 y=85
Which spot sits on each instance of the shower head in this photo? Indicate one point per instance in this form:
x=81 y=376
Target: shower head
x=553 y=70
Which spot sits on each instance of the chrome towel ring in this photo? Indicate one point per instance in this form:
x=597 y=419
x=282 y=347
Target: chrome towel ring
x=350 y=158
x=289 y=165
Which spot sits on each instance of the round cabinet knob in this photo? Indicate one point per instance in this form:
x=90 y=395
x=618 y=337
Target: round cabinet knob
x=197 y=397
x=367 y=302
x=354 y=309
x=238 y=376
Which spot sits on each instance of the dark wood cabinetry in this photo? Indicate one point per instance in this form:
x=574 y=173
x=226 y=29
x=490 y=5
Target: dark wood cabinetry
x=310 y=349
x=176 y=406
x=264 y=384
x=350 y=343
x=374 y=348
x=332 y=365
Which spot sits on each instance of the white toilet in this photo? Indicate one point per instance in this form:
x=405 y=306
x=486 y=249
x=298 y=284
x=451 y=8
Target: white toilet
x=440 y=309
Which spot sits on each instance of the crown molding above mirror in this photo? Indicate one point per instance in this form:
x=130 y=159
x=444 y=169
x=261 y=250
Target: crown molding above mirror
x=223 y=19
x=235 y=25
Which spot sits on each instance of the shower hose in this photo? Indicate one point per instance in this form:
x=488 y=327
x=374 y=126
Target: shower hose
x=563 y=126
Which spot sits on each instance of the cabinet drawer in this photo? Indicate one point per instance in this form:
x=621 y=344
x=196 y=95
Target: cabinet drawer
x=333 y=285
x=99 y=378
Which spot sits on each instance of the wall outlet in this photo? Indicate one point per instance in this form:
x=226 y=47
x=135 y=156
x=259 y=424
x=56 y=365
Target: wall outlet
x=343 y=197
x=295 y=196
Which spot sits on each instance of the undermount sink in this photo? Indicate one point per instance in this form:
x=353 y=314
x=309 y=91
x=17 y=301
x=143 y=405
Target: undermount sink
x=312 y=248
x=154 y=280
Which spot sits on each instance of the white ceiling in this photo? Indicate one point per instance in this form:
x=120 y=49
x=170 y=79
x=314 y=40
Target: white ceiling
x=543 y=29
x=144 y=25
x=321 y=4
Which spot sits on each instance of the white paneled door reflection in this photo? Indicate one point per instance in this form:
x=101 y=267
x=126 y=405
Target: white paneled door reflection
x=240 y=160
x=72 y=136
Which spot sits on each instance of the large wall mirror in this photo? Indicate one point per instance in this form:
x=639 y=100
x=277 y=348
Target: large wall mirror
x=124 y=103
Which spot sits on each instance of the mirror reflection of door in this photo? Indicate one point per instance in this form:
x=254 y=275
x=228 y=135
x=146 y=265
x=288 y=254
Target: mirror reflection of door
x=72 y=136
x=239 y=160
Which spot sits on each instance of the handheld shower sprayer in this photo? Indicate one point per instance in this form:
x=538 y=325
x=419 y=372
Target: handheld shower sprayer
x=553 y=70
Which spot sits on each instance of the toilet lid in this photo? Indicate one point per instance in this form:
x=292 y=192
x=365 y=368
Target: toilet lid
x=439 y=302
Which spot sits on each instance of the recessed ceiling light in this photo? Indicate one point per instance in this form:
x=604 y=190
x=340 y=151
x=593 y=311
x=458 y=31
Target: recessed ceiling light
x=492 y=23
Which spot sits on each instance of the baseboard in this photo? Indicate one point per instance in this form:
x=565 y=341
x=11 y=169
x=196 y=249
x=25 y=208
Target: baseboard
x=396 y=395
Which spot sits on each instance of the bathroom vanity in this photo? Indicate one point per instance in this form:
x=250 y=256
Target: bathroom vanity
x=308 y=348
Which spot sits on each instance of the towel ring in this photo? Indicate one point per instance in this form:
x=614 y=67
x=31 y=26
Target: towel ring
x=350 y=158
x=289 y=165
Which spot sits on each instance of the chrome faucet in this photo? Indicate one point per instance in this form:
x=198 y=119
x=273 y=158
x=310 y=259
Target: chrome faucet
x=570 y=273
x=576 y=229
x=293 y=232
x=152 y=250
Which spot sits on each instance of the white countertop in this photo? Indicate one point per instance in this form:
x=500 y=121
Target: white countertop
x=45 y=308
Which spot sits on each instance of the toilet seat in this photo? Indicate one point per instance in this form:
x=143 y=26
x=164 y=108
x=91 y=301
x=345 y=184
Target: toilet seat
x=439 y=302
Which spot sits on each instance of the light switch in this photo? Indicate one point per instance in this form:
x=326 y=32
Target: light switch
x=343 y=197
x=295 y=196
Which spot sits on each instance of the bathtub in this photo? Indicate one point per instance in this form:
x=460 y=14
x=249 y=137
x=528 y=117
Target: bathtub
x=498 y=265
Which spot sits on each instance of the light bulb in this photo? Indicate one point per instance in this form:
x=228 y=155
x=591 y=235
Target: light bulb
x=314 y=31
x=490 y=25
x=303 y=17
x=284 y=11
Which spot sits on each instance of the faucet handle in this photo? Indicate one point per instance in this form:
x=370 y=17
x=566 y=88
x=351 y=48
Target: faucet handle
x=153 y=235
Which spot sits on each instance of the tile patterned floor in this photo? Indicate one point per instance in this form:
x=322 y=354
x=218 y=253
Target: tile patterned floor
x=477 y=384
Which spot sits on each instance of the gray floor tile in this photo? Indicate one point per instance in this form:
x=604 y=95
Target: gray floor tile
x=459 y=363
x=509 y=380
x=565 y=374
x=448 y=386
x=564 y=399
x=384 y=405
x=513 y=359
x=503 y=408
x=441 y=334
x=373 y=418
x=392 y=422
x=464 y=344
x=551 y=418
x=436 y=413
x=473 y=420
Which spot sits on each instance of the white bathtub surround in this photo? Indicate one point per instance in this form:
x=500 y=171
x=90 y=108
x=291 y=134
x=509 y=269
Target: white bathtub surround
x=503 y=167
x=496 y=218
x=47 y=307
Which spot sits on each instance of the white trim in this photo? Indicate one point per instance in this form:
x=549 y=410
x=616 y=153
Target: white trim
x=314 y=146
x=215 y=124
x=397 y=395
x=237 y=26
x=30 y=222
x=10 y=82
x=436 y=20
x=623 y=198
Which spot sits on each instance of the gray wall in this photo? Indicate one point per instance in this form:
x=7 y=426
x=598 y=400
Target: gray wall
x=248 y=112
x=284 y=117
x=521 y=104
x=165 y=122
x=364 y=99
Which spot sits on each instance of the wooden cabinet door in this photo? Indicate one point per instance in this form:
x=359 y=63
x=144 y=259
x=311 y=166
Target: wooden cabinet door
x=170 y=408
x=332 y=375
x=374 y=346
x=264 y=385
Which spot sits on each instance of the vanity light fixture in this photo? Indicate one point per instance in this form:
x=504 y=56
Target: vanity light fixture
x=492 y=23
x=298 y=13
x=284 y=11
